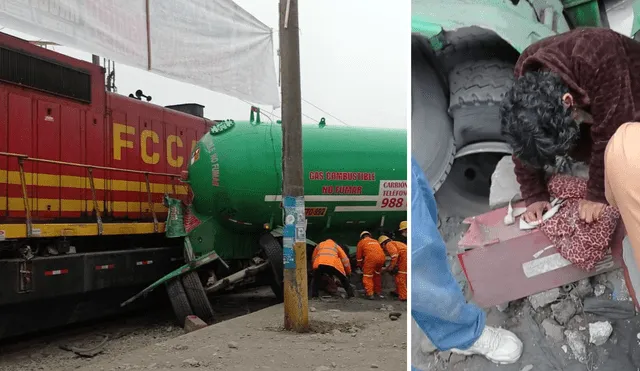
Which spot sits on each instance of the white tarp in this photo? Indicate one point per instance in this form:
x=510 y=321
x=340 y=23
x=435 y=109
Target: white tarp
x=210 y=43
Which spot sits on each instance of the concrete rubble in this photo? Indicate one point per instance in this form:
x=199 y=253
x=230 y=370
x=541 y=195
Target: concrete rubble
x=599 y=332
x=544 y=298
x=576 y=341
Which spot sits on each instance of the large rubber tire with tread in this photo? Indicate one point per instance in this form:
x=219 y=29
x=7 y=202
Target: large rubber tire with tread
x=472 y=44
x=179 y=300
x=197 y=296
x=432 y=142
x=477 y=88
x=480 y=70
x=272 y=250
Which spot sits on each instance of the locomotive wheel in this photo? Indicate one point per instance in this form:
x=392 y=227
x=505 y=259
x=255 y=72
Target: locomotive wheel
x=197 y=296
x=179 y=300
x=273 y=251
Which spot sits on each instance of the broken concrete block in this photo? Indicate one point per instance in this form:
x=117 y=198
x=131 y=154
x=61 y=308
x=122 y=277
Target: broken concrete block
x=193 y=323
x=576 y=342
x=583 y=288
x=599 y=332
x=504 y=186
x=553 y=330
x=563 y=311
x=599 y=290
x=544 y=298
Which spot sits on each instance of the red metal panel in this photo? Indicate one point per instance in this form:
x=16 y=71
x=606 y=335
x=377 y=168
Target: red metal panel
x=20 y=132
x=71 y=151
x=49 y=145
x=4 y=140
x=505 y=263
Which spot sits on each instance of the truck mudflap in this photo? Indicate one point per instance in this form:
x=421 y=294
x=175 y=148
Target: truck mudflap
x=191 y=266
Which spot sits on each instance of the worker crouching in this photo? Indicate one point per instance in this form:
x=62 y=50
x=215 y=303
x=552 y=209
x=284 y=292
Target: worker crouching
x=398 y=266
x=329 y=259
x=371 y=259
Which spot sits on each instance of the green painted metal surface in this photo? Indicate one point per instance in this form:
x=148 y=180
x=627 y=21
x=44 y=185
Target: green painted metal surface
x=235 y=175
x=636 y=18
x=517 y=24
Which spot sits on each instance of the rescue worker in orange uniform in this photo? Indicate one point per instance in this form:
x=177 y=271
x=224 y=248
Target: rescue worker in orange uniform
x=398 y=266
x=371 y=259
x=329 y=258
x=403 y=232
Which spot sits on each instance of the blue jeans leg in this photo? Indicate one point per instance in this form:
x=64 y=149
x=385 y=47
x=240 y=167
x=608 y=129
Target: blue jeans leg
x=437 y=302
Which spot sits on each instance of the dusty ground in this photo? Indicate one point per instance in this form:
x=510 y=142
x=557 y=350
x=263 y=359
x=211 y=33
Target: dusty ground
x=353 y=335
x=542 y=353
x=126 y=333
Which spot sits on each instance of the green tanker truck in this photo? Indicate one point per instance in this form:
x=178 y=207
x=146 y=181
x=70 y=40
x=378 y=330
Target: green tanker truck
x=355 y=179
x=463 y=54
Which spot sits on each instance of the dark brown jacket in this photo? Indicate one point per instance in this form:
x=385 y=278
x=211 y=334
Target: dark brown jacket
x=602 y=70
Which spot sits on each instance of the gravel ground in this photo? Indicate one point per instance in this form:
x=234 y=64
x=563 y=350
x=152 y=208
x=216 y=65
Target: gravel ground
x=355 y=334
x=541 y=351
x=126 y=333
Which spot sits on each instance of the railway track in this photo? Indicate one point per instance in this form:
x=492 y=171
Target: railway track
x=54 y=350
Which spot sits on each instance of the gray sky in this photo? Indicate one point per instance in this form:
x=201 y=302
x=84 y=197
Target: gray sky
x=354 y=64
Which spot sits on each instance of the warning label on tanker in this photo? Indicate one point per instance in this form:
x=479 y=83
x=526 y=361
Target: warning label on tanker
x=392 y=195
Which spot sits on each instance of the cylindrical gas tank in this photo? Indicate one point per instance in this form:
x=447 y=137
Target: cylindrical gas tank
x=353 y=177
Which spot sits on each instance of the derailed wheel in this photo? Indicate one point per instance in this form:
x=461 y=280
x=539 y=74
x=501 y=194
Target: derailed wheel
x=197 y=296
x=179 y=300
x=272 y=250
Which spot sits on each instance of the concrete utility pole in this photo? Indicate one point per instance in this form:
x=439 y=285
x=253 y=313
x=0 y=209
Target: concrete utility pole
x=296 y=302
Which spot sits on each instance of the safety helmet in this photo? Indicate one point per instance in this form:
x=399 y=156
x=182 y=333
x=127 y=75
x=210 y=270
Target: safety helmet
x=382 y=239
x=363 y=233
x=403 y=225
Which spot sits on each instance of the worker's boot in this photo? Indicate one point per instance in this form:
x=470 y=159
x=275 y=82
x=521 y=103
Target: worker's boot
x=497 y=345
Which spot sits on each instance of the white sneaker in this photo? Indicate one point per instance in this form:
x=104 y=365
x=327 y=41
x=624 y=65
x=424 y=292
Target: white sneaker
x=497 y=345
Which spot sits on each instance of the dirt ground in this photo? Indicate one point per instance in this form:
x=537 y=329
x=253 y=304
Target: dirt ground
x=353 y=335
x=126 y=333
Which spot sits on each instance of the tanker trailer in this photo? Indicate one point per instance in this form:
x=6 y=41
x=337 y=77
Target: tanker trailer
x=355 y=179
x=463 y=54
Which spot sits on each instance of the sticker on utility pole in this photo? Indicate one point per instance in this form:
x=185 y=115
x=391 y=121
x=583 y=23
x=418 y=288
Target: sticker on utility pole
x=289 y=232
x=301 y=223
x=288 y=255
x=392 y=195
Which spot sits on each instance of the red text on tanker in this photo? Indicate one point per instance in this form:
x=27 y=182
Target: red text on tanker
x=342 y=175
x=341 y=190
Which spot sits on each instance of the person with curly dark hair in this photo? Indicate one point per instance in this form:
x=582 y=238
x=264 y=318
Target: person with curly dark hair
x=572 y=92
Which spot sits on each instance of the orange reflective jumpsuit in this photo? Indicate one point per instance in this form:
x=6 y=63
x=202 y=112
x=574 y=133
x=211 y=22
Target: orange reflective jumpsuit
x=398 y=252
x=328 y=253
x=370 y=258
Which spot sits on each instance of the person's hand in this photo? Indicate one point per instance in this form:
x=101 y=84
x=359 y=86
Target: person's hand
x=535 y=211
x=590 y=211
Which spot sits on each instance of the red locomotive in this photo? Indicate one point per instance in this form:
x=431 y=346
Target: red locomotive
x=82 y=177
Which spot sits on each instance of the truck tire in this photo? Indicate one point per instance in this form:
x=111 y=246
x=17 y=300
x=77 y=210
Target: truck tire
x=272 y=250
x=197 y=296
x=477 y=88
x=179 y=300
x=480 y=66
x=432 y=142
x=474 y=43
